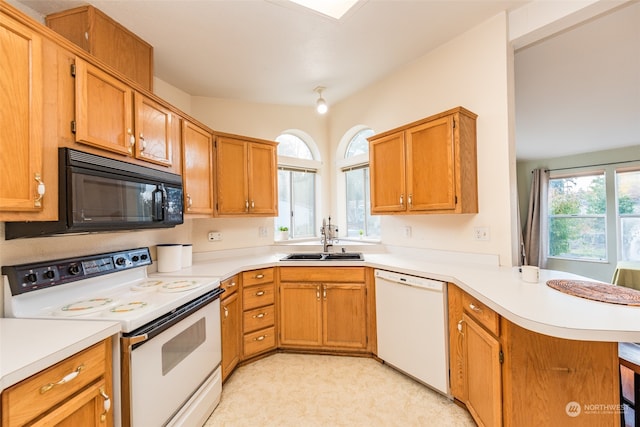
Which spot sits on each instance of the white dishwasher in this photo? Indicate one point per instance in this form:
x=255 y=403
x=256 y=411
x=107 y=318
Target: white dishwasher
x=411 y=322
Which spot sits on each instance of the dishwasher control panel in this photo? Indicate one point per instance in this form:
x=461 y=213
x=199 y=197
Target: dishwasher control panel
x=406 y=279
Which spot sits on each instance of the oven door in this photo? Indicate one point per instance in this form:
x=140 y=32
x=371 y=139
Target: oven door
x=165 y=371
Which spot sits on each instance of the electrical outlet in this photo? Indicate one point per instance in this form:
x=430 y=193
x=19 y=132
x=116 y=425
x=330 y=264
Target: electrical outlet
x=263 y=232
x=407 y=231
x=215 y=236
x=481 y=233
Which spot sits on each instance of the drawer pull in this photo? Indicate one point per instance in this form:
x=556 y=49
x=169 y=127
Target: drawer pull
x=231 y=285
x=475 y=308
x=259 y=316
x=260 y=276
x=107 y=405
x=40 y=190
x=45 y=388
x=260 y=338
x=460 y=327
x=226 y=312
x=260 y=293
x=561 y=369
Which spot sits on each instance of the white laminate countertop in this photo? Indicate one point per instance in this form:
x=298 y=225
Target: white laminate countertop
x=534 y=306
x=27 y=346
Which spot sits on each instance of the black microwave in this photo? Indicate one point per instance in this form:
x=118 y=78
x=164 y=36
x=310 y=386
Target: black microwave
x=100 y=194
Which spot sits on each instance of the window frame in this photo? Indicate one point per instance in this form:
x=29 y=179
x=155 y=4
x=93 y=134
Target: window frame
x=619 y=217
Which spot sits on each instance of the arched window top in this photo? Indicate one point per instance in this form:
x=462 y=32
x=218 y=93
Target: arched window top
x=358 y=143
x=293 y=146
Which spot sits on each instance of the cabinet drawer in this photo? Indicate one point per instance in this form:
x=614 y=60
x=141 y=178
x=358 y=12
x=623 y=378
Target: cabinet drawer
x=255 y=277
x=230 y=286
x=39 y=393
x=322 y=274
x=481 y=313
x=259 y=341
x=258 y=318
x=258 y=296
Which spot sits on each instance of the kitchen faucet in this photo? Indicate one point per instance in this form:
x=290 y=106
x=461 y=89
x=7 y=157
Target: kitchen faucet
x=328 y=233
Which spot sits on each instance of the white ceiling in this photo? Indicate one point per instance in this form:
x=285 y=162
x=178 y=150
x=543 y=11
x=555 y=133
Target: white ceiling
x=575 y=92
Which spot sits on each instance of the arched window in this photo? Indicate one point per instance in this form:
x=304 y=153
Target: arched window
x=355 y=167
x=298 y=163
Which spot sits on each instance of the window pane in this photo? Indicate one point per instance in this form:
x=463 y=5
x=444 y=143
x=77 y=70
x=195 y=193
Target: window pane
x=373 y=222
x=577 y=225
x=630 y=235
x=303 y=203
x=578 y=237
x=628 y=184
x=292 y=146
x=359 y=143
x=355 y=202
x=284 y=200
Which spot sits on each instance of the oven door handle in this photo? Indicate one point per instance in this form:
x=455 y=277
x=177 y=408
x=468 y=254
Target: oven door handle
x=129 y=342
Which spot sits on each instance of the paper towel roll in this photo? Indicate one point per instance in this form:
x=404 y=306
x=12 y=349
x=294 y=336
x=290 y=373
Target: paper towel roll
x=187 y=255
x=169 y=257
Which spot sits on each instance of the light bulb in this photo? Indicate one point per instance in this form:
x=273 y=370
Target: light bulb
x=321 y=106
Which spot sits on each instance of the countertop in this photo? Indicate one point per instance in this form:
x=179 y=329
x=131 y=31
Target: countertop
x=534 y=306
x=27 y=346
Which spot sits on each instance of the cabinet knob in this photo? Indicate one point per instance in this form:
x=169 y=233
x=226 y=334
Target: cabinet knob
x=40 y=190
x=402 y=200
x=475 y=308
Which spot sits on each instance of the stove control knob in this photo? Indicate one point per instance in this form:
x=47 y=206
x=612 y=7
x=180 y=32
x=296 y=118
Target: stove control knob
x=135 y=258
x=50 y=274
x=121 y=261
x=32 y=277
x=143 y=257
x=74 y=269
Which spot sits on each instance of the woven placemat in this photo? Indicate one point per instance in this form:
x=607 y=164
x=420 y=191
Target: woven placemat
x=597 y=291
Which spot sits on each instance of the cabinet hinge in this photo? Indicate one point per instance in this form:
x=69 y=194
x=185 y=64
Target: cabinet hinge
x=73 y=70
x=501 y=357
x=73 y=126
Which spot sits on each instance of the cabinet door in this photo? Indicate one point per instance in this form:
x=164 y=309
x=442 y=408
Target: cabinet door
x=231 y=314
x=483 y=374
x=387 y=169
x=104 y=105
x=430 y=166
x=21 y=125
x=231 y=176
x=87 y=408
x=300 y=314
x=263 y=175
x=153 y=126
x=197 y=173
x=344 y=315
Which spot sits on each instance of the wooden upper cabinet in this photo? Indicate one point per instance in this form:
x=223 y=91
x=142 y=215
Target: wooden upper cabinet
x=153 y=130
x=197 y=169
x=111 y=116
x=104 y=104
x=21 y=127
x=246 y=177
x=107 y=40
x=428 y=166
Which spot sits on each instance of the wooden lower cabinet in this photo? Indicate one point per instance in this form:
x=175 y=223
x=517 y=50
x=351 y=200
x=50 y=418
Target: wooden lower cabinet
x=511 y=376
x=323 y=314
x=231 y=325
x=84 y=399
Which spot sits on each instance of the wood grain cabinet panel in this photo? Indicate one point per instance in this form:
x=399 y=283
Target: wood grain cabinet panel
x=197 y=169
x=107 y=40
x=21 y=126
x=231 y=331
x=258 y=305
x=428 y=166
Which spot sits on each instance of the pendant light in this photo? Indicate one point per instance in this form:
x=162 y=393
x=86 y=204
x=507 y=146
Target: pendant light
x=321 y=104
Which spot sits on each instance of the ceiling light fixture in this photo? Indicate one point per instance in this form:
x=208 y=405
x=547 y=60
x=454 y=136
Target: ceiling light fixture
x=335 y=9
x=321 y=104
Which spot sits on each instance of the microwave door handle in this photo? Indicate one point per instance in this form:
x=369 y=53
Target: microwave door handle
x=159 y=197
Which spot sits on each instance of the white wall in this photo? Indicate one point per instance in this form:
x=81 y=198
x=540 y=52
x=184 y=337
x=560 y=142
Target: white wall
x=471 y=71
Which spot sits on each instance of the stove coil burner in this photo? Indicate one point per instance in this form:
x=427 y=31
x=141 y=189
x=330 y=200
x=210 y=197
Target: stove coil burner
x=147 y=285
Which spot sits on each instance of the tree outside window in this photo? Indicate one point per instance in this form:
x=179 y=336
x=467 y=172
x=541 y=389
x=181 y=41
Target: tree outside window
x=628 y=207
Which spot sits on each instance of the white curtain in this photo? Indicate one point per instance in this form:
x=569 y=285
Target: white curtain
x=536 y=229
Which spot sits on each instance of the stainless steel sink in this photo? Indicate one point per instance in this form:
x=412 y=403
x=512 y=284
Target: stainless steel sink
x=324 y=256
